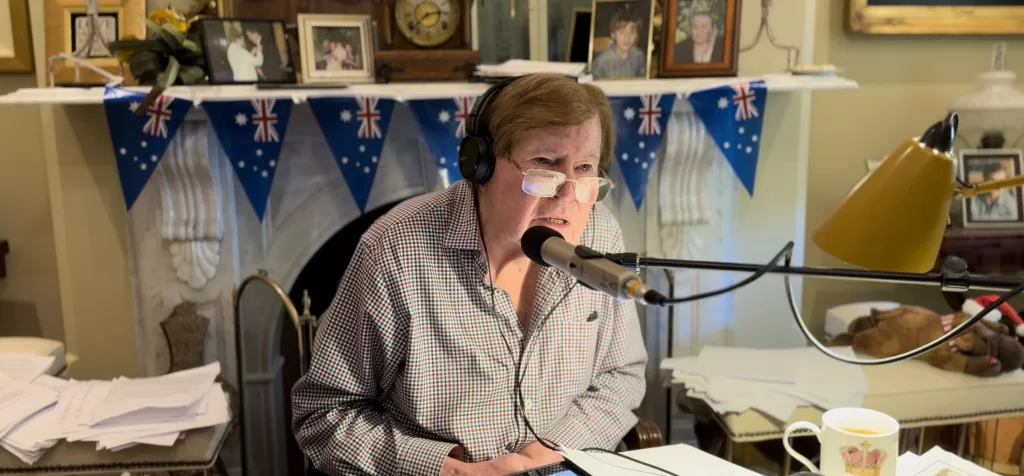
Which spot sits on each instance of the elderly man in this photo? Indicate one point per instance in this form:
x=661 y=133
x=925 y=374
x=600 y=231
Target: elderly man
x=416 y=361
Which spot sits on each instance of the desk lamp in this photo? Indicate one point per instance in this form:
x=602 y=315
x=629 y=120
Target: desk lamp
x=890 y=225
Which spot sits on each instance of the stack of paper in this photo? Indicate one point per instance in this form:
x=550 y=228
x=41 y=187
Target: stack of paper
x=24 y=367
x=116 y=414
x=774 y=381
x=937 y=461
x=518 y=67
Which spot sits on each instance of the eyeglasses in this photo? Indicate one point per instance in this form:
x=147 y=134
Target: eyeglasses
x=546 y=184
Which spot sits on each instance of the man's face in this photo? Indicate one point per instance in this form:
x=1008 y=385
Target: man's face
x=625 y=36
x=509 y=211
x=996 y=175
x=701 y=28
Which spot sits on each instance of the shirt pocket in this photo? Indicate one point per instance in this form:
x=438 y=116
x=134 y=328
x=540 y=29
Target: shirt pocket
x=575 y=349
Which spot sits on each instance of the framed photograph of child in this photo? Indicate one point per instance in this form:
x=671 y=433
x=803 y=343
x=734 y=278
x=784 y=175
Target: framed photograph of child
x=336 y=48
x=246 y=51
x=700 y=38
x=620 y=39
x=1002 y=208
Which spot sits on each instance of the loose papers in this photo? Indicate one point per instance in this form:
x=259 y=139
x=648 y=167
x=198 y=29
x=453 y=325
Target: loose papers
x=774 y=381
x=36 y=414
x=937 y=462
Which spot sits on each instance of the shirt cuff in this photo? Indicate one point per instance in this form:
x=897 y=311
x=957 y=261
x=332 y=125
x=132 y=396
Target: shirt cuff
x=568 y=433
x=420 y=456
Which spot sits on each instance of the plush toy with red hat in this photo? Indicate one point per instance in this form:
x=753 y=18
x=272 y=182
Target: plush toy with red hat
x=1004 y=312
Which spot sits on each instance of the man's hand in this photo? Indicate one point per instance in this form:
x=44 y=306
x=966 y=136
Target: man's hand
x=510 y=463
x=540 y=455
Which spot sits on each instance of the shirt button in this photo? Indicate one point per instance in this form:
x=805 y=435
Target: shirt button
x=527 y=404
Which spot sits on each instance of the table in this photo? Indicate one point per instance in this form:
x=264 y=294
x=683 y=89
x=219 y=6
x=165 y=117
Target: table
x=915 y=394
x=197 y=451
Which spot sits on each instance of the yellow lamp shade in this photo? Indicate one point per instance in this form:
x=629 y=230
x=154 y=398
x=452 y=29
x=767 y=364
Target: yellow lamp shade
x=895 y=218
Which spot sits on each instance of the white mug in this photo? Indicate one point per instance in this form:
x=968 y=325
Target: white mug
x=854 y=441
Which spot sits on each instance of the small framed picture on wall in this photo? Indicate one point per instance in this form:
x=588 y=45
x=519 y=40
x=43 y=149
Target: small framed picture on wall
x=1002 y=208
x=336 y=48
x=700 y=38
x=246 y=51
x=620 y=39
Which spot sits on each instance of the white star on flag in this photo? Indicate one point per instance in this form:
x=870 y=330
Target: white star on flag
x=443 y=117
x=629 y=114
x=723 y=102
x=133 y=106
x=346 y=115
x=241 y=120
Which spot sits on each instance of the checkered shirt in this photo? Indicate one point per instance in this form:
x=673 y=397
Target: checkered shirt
x=409 y=361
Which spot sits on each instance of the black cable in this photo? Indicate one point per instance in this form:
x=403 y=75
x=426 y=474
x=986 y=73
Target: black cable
x=616 y=453
x=786 y=252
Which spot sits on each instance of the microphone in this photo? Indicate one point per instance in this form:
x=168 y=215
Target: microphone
x=548 y=247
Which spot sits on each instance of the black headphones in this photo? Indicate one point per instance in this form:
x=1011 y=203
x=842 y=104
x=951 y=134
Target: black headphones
x=476 y=154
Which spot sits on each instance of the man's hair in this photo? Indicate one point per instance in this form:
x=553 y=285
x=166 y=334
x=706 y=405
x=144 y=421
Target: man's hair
x=547 y=100
x=990 y=169
x=622 y=18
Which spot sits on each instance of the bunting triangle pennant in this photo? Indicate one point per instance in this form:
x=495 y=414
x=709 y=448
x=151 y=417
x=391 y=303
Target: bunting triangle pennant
x=443 y=124
x=733 y=116
x=639 y=122
x=355 y=129
x=252 y=133
x=140 y=140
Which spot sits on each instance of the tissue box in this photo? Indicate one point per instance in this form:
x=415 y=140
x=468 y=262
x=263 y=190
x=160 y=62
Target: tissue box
x=838 y=319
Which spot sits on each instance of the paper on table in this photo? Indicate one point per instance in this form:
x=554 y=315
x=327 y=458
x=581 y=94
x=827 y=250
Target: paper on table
x=24 y=367
x=176 y=392
x=938 y=462
x=773 y=365
x=679 y=459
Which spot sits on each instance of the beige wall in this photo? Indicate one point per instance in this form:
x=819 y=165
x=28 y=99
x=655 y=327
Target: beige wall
x=906 y=83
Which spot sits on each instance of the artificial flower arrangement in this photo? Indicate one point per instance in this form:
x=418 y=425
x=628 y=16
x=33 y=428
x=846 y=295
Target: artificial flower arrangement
x=170 y=54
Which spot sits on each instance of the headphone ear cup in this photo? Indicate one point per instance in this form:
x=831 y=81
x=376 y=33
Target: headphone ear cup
x=476 y=163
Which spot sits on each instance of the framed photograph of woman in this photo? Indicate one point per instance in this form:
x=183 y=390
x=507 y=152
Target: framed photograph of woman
x=620 y=39
x=336 y=48
x=700 y=38
x=246 y=51
x=1002 y=208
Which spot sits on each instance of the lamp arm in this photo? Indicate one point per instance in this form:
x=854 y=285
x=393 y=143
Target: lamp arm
x=975 y=189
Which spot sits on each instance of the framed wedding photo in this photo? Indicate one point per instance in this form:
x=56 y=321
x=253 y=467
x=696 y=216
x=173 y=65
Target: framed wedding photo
x=620 y=39
x=1002 y=208
x=336 y=48
x=246 y=51
x=700 y=38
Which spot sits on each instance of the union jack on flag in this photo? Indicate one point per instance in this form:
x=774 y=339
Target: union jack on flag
x=265 y=120
x=355 y=129
x=733 y=116
x=650 y=114
x=636 y=145
x=368 y=116
x=443 y=124
x=140 y=141
x=158 y=113
x=251 y=133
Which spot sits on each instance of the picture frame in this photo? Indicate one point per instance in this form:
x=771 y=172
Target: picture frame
x=578 y=49
x=934 y=17
x=336 y=48
x=243 y=51
x=998 y=209
x=609 y=17
x=64 y=19
x=682 y=57
x=16 y=52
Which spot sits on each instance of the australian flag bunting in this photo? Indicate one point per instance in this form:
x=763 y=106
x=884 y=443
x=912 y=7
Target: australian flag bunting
x=443 y=124
x=140 y=140
x=639 y=123
x=355 y=129
x=733 y=116
x=251 y=133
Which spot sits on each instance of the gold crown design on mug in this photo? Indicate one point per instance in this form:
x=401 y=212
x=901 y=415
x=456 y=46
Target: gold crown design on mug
x=863 y=461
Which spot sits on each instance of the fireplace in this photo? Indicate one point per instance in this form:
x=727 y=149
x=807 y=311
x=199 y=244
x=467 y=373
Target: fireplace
x=319 y=280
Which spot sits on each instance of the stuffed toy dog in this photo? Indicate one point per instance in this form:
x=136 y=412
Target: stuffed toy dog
x=984 y=350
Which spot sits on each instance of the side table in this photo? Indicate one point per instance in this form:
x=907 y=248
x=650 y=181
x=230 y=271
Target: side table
x=197 y=451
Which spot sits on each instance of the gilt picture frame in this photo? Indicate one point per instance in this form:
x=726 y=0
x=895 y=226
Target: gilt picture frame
x=715 y=54
x=934 y=17
x=64 y=19
x=607 y=20
x=16 y=52
x=336 y=48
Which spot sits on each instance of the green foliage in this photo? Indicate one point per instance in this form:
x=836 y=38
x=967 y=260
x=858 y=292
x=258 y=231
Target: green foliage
x=688 y=8
x=166 y=57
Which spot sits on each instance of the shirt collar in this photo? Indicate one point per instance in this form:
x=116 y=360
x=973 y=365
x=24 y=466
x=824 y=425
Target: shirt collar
x=463 y=229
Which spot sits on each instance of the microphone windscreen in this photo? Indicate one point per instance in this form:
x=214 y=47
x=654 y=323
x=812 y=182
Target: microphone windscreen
x=533 y=240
